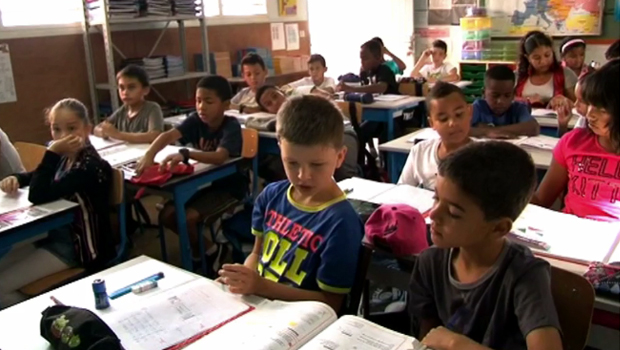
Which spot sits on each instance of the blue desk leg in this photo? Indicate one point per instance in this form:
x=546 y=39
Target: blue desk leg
x=396 y=163
x=181 y=196
x=390 y=123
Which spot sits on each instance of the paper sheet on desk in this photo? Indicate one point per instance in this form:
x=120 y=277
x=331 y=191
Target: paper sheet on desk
x=354 y=333
x=543 y=112
x=362 y=189
x=171 y=317
x=540 y=141
x=11 y=202
x=100 y=143
x=415 y=197
x=569 y=237
x=389 y=98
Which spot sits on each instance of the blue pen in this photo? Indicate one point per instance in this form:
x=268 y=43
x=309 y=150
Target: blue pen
x=126 y=290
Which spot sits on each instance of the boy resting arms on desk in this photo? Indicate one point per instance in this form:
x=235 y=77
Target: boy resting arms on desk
x=475 y=289
x=308 y=236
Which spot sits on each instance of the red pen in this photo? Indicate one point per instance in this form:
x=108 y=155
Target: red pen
x=56 y=301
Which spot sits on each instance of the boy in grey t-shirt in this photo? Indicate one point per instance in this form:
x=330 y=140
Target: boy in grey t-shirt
x=138 y=120
x=475 y=289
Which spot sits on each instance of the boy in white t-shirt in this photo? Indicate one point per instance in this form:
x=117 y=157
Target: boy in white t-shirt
x=438 y=69
x=450 y=117
x=316 y=81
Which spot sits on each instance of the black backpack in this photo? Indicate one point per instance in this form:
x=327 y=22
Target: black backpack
x=72 y=328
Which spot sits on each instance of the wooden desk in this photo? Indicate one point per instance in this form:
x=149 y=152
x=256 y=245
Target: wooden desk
x=397 y=151
x=49 y=216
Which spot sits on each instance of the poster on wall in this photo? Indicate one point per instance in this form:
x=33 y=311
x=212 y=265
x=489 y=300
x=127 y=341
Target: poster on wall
x=292 y=36
x=278 y=41
x=287 y=7
x=7 y=82
x=514 y=18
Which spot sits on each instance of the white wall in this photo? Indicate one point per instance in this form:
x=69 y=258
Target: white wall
x=67 y=29
x=339 y=27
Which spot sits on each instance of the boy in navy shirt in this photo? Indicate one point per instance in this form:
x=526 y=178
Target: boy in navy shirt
x=308 y=235
x=214 y=139
x=498 y=115
x=475 y=289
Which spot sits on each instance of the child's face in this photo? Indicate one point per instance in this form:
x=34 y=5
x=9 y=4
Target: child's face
x=272 y=100
x=541 y=59
x=598 y=121
x=369 y=62
x=438 y=56
x=574 y=57
x=580 y=106
x=64 y=122
x=456 y=220
x=254 y=75
x=450 y=117
x=317 y=71
x=499 y=94
x=209 y=106
x=131 y=90
x=310 y=168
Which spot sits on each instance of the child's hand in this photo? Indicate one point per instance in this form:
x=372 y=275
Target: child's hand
x=560 y=102
x=144 y=163
x=342 y=86
x=240 y=279
x=108 y=129
x=427 y=53
x=431 y=80
x=500 y=135
x=564 y=116
x=67 y=145
x=535 y=99
x=441 y=338
x=9 y=185
x=171 y=161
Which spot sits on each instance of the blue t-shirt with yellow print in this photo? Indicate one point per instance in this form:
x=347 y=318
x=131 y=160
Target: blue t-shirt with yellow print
x=313 y=248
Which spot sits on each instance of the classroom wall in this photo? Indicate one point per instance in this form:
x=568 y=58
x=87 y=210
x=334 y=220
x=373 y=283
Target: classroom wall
x=49 y=68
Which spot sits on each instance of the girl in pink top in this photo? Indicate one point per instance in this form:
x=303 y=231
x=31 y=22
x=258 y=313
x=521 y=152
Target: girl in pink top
x=586 y=162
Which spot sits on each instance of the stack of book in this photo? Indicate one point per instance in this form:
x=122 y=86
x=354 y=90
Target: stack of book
x=154 y=66
x=116 y=8
x=187 y=7
x=158 y=8
x=174 y=66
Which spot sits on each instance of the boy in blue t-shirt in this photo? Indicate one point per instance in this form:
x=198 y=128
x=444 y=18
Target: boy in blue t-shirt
x=498 y=115
x=214 y=138
x=308 y=235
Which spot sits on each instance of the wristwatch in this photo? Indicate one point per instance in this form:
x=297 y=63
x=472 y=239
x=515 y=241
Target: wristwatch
x=185 y=153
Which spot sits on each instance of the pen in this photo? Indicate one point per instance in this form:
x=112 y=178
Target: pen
x=348 y=190
x=126 y=290
x=56 y=301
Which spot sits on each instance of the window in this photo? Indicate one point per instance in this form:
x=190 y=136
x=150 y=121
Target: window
x=235 y=7
x=40 y=12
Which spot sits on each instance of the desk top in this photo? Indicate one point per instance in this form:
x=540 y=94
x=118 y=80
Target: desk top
x=25 y=316
x=405 y=102
x=16 y=210
x=542 y=158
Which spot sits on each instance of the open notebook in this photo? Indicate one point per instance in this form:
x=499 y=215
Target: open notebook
x=305 y=325
x=567 y=237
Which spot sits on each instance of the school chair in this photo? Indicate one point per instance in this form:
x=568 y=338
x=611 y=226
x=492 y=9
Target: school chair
x=117 y=202
x=31 y=154
x=413 y=89
x=249 y=152
x=345 y=107
x=353 y=300
x=573 y=297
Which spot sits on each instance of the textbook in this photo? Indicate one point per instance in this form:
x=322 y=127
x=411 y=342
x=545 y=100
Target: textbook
x=304 y=325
